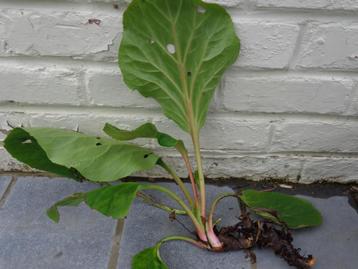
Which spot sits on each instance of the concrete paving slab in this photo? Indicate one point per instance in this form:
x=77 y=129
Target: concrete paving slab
x=334 y=244
x=4 y=183
x=28 y=239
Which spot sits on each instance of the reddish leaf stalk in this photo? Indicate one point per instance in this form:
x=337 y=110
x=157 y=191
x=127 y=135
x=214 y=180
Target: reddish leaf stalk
x=192 y=180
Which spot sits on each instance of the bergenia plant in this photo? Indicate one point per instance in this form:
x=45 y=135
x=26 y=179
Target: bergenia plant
x=174 y=51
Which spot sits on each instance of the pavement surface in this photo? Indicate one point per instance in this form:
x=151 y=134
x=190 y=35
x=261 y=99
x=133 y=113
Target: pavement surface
x=87 y=240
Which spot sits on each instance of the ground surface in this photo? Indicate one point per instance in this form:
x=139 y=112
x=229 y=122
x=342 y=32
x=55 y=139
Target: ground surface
x=85 y=239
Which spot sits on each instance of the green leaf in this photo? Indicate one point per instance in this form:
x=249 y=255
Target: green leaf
x=294 y=212
x=95 y=158
x=147 y=130
x=149 y=258
x=73 y=200
x=23 y=147
x=176 y=53
x=113 y=201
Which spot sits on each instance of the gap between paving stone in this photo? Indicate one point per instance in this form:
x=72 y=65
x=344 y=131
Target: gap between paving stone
x=116 y=240
x=6 y=184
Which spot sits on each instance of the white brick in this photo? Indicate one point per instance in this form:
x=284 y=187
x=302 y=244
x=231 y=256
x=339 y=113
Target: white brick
x=108 y=89
x=12 y=119
x=266 y=44
x=312 y=135
x=310 y=4
x=235 y=133
x=331 y=45
x=33 y=84
x=226 y=3
x=286 y=93
x=257 y=167
x=253 y=167
x=60 y=33
x=331 y=169
x=353 y=108
x=225 y=133
x=2 y=46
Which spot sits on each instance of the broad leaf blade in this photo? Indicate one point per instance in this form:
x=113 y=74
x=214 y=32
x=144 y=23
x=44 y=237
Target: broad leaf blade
x=23 y=147
x=176 y=53
x=113 y=201
x=147 y=130
x=294 y=212
x=73 y=200
x=148 y=259
x=95 y=158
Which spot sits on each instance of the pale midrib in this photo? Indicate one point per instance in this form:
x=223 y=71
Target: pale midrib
x=170 y=80
x=197 y=73
x=182 y=71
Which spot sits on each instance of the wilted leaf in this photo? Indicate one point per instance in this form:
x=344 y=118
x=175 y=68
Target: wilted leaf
x=95 y=158
x=176 y=53
x=73 y=200
x=147 y=130
x=293 y=211
x=23 y=147
x=148 y=259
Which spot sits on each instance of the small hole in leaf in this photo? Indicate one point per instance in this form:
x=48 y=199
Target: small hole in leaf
x=27 y=141
x=151 y=41
x=98 y=137
x=171 y=48
x=98 y=144
x=201 y=10
x=146 y=156
x=189 y=74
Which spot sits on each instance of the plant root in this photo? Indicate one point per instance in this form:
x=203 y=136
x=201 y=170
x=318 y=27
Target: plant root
x=248 y=234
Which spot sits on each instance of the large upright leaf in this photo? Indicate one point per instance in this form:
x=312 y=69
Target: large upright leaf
x=95 y=158
x=293 y=211
x=176 y=52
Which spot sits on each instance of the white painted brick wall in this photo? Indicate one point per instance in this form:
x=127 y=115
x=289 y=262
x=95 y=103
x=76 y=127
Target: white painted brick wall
x=287 y=109
x=332 y=45
x=39 y=84
x=265 y=44
x=286 y=93
x=310 y=4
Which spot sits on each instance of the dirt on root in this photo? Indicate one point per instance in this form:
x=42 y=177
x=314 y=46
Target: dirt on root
x=248 y=234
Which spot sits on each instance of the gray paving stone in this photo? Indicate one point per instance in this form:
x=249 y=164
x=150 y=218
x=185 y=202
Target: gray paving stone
x=334 y=244
x=28 y=239
x=4 y=182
